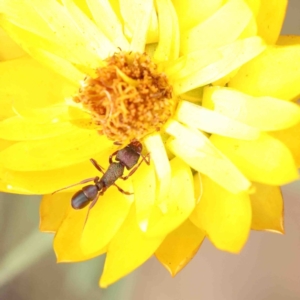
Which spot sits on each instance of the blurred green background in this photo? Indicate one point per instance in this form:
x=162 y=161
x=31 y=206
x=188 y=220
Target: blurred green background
x=267 y=268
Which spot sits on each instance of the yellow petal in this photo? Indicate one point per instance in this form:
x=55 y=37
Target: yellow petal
x=213 y=122
x=233 y=56
x=20 y=129
x=127 y=251
x=286 y=40
x=48 y=181
x=178 y=204
x=67 y=239
x=156 y=148
x=37 y=86
x=225 y=217
x=199 y=153
x=53 y=209
x=4 y=144
x=179 y=247
x=264 y=160
x=254 y=5
x=267 y=208
x=197 y=11
x=222 y=28
x=198 y=187
x=290 y=137
x=274 y=73
x=105 y=218
x=264 y=113
x=70 y=148
x=9 y=49
x=144 y=193
x=270 y=19
x=168 y=44
x=250 y=29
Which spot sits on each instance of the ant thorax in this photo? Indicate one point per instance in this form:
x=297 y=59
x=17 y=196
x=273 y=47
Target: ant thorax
x=114 y=171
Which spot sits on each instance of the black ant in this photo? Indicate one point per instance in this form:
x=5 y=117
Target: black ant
x=126 y=157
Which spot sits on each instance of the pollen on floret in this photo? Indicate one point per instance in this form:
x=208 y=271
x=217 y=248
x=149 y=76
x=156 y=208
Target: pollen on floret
x=128 y=97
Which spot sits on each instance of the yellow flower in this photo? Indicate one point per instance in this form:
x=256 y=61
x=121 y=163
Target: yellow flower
x=201 y=84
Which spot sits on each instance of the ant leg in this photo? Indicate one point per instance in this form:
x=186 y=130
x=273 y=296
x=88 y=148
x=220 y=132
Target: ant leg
x=94 y=201
x=144 y=158
x=97 y=166
x=78 y=183
x=112 y=155
x=121 y=190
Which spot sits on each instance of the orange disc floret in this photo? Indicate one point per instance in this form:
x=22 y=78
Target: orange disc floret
x=128 y=97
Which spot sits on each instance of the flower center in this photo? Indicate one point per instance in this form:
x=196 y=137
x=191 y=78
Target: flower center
x=128 y=97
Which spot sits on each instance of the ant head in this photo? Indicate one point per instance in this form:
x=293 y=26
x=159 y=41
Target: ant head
x=136 y=146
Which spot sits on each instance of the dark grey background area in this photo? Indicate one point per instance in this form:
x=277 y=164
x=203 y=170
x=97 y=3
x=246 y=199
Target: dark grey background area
x=267 y=269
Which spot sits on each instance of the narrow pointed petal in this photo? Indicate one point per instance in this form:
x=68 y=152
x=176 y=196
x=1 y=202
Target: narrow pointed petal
x=232 y=56
x=144 y=183
x=270 y=19
x=152 y=33
x=38 y=156
x=178 y=204
x=158 y=155
x=96 y=37
x=58 y=64
x=197 y=11
x=290 y=137
x=225 y=217
x=191 y=63
x=105 y=218
x=267 y=208
x=222 y=28
x=179 y=247
x=108 y=22
x=168 y=44
x=264 y=113
x=274 y=73
x=67 y=239
x=129 y=242
x=53 y=209
x=214 y=122
x=51 y=23
x=198 y=152
x=26 y=17
x=56 y=58
x=264 y=160
x=137 y=28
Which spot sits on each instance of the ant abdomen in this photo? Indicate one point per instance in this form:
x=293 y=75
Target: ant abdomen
x=83 y=197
